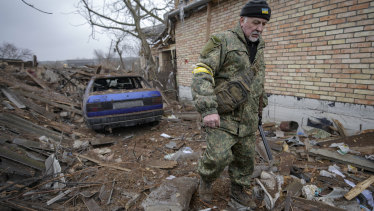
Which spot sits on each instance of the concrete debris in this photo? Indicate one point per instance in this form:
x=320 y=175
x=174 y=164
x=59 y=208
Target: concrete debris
x=172 y=195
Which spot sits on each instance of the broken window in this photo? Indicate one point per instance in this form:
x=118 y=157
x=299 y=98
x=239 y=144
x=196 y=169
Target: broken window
x=102 y=84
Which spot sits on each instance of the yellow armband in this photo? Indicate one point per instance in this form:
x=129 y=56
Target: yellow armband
x=202 y=70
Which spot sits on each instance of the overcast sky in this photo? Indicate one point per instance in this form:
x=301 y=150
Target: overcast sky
x=59 y=36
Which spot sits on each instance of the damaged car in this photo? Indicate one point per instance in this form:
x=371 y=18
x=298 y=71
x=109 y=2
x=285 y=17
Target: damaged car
x=119 y=101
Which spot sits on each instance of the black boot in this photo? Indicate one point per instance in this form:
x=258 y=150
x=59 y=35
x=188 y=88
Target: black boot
x=239 y=195
x=205 y=191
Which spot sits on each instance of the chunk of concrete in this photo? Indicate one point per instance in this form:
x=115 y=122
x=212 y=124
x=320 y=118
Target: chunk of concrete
x=172 y=195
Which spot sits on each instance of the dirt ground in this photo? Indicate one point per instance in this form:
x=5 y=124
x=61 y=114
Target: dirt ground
x=118 y=169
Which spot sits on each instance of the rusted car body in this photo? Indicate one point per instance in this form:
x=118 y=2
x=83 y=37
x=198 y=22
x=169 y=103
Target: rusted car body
x=112 y=101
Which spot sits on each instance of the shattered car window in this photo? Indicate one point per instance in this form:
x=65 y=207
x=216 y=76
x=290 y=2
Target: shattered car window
x=102 y=84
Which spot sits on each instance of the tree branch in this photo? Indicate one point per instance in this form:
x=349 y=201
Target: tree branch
x=30 y=5
x=113 y=27
x=148 y=12
x=103 y=16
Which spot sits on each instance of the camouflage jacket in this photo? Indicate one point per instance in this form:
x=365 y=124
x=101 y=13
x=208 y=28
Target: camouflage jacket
x=225 y=56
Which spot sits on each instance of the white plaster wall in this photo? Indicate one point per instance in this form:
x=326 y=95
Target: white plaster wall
x=286 y=108
x=353 y=117
x=185 y=93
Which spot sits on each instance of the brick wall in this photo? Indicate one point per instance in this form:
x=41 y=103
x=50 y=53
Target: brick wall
x=319 y=49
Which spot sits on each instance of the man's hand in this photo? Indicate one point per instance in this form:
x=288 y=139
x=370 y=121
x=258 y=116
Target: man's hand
x=211 y=120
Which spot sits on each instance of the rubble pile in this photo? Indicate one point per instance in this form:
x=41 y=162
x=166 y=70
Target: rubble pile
x=50 y=160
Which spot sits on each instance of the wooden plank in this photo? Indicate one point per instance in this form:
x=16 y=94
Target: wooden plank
x=346 y=159
x=37 y=108
x=359 y=188
x=30 y=144
x=101 y=163
x=163 y=164
x=58 y=197
x=41 y=99
x=6 y=153
x=309 y=205
x=15 y=83
x=36 y=80
x=65 y=128
x=13 y=98
x=15 y=122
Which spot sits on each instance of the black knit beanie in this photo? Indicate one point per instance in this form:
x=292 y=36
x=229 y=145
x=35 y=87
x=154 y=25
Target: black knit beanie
x=256 y=8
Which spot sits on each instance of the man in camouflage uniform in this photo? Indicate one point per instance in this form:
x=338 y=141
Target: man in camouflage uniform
x=228 y=91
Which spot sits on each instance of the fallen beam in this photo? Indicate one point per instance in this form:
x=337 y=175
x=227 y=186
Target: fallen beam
x=43 y=100
x=359 y=188
x=6 y=153
x=346 y=159
x=13 y=98
x=13 y=121
x=36 y=80
x=304 y=204
x=101 y=163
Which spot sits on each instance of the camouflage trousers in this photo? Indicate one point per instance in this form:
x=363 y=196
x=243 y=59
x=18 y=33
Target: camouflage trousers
x=224 y=149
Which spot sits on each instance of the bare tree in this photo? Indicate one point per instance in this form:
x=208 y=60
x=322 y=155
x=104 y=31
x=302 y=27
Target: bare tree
x=119 y=51
x=10 y=51
x=129 y=18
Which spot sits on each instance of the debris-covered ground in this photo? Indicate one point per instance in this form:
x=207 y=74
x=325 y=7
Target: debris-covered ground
x=50 y=160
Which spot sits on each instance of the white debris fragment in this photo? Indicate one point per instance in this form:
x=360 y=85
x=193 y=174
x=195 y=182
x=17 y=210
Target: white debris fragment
x=326 y=174
x=52 y=167
x=172 y=117
x=102 y=151
x=165 y=135
x=309 y=191
x=170 y=177
x=336 y=170
x=80 y=144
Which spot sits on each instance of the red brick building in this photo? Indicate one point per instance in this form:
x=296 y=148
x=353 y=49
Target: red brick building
x=319 y=55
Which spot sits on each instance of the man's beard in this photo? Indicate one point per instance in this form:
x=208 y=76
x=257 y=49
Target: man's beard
x=254 y=39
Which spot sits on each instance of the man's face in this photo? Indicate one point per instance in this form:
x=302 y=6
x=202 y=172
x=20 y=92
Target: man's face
x=252 y=27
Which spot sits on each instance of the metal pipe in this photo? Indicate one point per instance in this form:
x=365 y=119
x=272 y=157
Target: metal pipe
x=188 y=7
